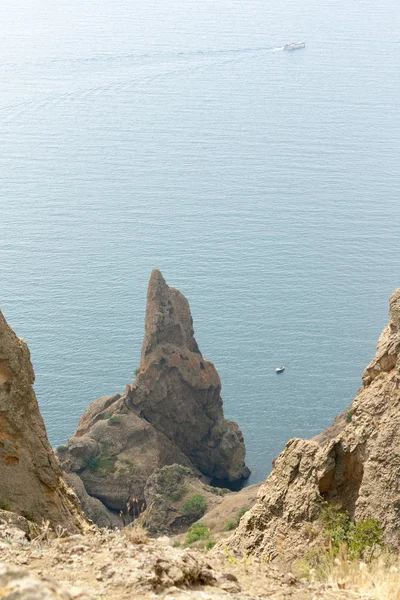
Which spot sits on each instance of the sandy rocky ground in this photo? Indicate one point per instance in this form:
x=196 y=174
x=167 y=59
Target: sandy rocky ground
x=104 y=564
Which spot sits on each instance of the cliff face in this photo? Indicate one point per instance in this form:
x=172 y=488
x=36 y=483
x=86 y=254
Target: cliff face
x=30 y=476
x=171 y=414
x=354 y=464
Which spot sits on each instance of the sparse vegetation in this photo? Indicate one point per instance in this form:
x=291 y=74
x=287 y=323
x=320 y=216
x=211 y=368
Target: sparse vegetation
x=115 y=420
x=345 y=541
x=137 y=371
x=230 y=559
x=195 y=507
x=349 y=416
x=61 y=448
x=181 y=470
x=169 y=479
x=102 y=464
x=179 y=494
x=137 y=534
x=176 y=544
x=209 y=544
x=196 y=532
x=105 y=415
x=233 y=523
x=360 y=537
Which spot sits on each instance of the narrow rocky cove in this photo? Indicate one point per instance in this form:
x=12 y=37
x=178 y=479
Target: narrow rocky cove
x=116 y=512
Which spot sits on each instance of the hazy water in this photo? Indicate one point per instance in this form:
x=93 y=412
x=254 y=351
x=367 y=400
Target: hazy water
x=264 y=184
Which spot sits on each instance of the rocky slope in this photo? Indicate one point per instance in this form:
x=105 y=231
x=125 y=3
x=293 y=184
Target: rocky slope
x=170 y=495
x=171 y=414
x=125 y=565
x=30 y=476
x=355 y=465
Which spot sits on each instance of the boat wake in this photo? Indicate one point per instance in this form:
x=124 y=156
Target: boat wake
x=228 y=56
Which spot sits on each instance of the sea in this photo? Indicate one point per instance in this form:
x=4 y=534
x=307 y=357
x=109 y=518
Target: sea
x=263 y=183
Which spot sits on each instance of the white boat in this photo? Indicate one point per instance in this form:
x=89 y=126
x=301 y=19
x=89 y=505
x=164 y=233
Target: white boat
x=294 y=46
x=280 y=369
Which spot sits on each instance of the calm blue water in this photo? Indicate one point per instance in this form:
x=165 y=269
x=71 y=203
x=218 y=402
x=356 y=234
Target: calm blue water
x=264 y=184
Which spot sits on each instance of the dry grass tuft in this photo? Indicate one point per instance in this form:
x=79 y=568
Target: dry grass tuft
x=136 y=533
x=378 y=578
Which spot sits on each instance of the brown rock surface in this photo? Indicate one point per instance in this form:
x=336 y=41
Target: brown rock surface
x=354 y=464
x=178 y=391
x=103 y=565
x=30 y=476
x=166 y=493
x=171 y=414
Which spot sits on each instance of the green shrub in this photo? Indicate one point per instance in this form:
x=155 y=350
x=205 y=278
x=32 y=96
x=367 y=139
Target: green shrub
x=102 y=464
x=114 y=420
x=61 y=448
x=197 y=531
x=230 y=525
x=210 y=544
x=336 y=524
x=363 y=536
x=195 y=507
x=349 y=416
x=179 y=494
x=359 y=537
x=137 y=371
x=105 y=415
x=181 y=470
x=176 y=544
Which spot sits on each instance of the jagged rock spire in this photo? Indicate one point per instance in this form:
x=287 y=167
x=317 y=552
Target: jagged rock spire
x=178 y=391
x=168 y=318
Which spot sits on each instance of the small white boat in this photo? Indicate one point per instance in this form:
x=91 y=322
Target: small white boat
x=294 y=46
x=280 y=369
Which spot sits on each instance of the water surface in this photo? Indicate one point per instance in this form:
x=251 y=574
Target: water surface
x=264 y=184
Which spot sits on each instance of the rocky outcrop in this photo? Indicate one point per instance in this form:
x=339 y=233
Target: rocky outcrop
x=167 y=494
x=178 y=391
x=30 y=476
x=388 y=349
x=354 y=465
x=171 y=414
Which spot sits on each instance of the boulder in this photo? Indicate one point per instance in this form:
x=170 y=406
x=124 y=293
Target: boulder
x=353 y=465
x=30 y=475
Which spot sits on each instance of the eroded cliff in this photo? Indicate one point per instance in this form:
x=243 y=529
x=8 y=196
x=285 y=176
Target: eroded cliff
x=355 y=465
x=30 y=476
